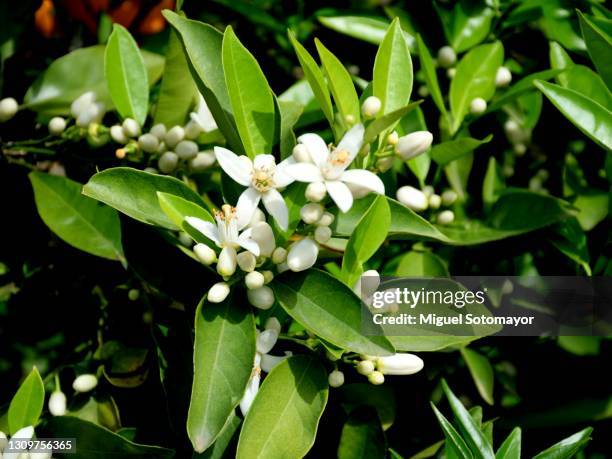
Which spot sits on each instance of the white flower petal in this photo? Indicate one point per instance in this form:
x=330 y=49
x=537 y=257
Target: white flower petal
x=250 y=392
x=304 y=172
x=275 y=205
x=235 y=167
x=365 y=179
x=266 y=341
x=203 y=117
x=340 y=194
x=352 y=141
x=245 y=241
x=208 y=229
x=264 y=161
x=247 y=203
x=268 y=362
x=317 y=148
x=281 y=178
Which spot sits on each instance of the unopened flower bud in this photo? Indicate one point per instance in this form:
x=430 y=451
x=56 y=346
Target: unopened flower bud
x=322 y=234
x=393 y=138
x=446 y=57
x=148 y=143
x=192 y=130
x=507 y=287
x=326 y=220
x=428 y=190
x=315 y=191
x=117 y=134
x=412 y=198
x=371 y=106
x=159 y=131
x=57 y=403
x=268 y=276
x=254 y=280
x=120 y=153
x=57 y=125
x=449 y=197
x=133 y=294
x=81 y=103
x=371 y=281
x=446 y=217
x=376 y=378
x=273 y=324
x=226 y=266
x=131 y=128
x=514 y=132
x=503 y=77
x=411 y=145
x=93 y=113
x=311 y=213
x=478 y=106
x=365 y=367
x=218 y=292
x=266 y=340
x=384 y=164
x=205 y=254
x=262 y=233
x=186 y=149
x=350 y=119
x=167 y=162
x=174 y=136
x=258 y=216
x=85 y=383
x=399 y=364
x=423 y=91
x=246 y=261
x=300 y=153
x=519 y=149
x=336 y=378
x=262 y=297
x=435 y=201
x=279 y=255
x=451 y=72
x=302 y=255
x=202 y=161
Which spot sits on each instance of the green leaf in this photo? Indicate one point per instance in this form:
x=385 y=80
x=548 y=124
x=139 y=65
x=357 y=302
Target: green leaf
x=387 y=122
x=290 y=113
x=559 y=60
x=523 y=210
x=95 y=442
x=340 y=83
x=599 y=46
x=250 y=95
x=455 y=445
x=493 y=184
x=178 y=91
x=75 y=73
x=587 y=115
x=27 y=403
x=313 y=74
x=177 y=208
x=126 y=75
x=429 y=343
x=568 y=447
x=283 y=419
x=362 y=436
x=328 y=308
x=421 y=264
x=379 y=398
x=392 y=75
x=447 y=152
x=134 y=193
x=583 y=80
x=522 y=87
x=76 y=219
x=511 y=447
x=482 y=373
x=369 y=235
x=475 y=77
x=223 y=441
x=224 y=350
x=431 y=78
x=571 y=241
x=467 y=24
x=592 y=208
x=364 y=28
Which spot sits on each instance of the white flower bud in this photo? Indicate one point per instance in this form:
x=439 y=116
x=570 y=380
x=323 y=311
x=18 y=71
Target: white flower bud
x=503 y=77
x=266 y=340
x=514 y=132
x=449 y=197
x=428 y=190
x=519 y=149
x=91 y=114
x=478 y=106
x=507 y=287
x=254 y=280
x=151 y=170
x=133 y=294
x=446 y=57
x=311 y=213
x=371 y=106
x=148 y=143
x=273 y=324
x=336 y=378
x=117 y=134
x=446 y=217
x=300 y=153
x=411 y=145
x=350 y=119
x=393 y=138
x=365 y=367
x=185 y=239
x=413 y=198
x=302 y=255
x=24 y=434
x=384 y=164
x=372 y=281
x=376 y=378
x=262 y=297
x=174 y=136
x=205 y=254
x=57 y=125
x=202 y=161
x=326 y=220
x=57 y=403
x=250 y=392
x=167 y=162
x=258 y=216
x=315 y=191
x=159 y=131
x=399 y=364
x=3 y=441
x=423 y=91
x=279 y=255
x=85 y=383
x=218 y=292
x=192 y=130
x=262 y=233
x=268 y=276
x=131 y=128
x=81 y=103
x=451 y=72
x=226 y=266
x=535 y=184
x=435 y=201
x=322 y=234
x=246 y=261
x=186 y=149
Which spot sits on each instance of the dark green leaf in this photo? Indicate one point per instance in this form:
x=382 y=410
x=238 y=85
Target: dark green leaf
x=27 y=403
x=446 y=152
x=568 y=447
x=455 y=446
x=482 y=373
x=362 y=436
x=364 y=28
x=511 y=447
x=599 y=46
x=431 y=78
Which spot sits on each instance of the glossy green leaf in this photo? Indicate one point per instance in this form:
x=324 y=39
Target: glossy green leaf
x=364 y=28
x=421 y=264
x=387 y=122
x=250 y=95
x=27 y=403
x=362 y=436
x=522 y=87
x=493 y=184
x=446 y=152
x=559 y=60
x=126 y=75
x=475 y=77
x=591 y=118
x=134 y=193
x=283 y=419
x=328 y=308
x=592 y=207
x=511 y=447
x=571 y=241
x=482 y=373
x=458 y=174
x=568 y=447
x=290 y=113
x=522 y=209
x=582 y=79
x=599 y=46
x=78 y=220
x=455 y=445
x=429 y=343
x=467 y=24
x=224 y=350
x=429 y=72
x=177 y=208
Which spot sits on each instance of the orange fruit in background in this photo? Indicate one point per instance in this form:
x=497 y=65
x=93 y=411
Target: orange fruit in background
x=44 y=18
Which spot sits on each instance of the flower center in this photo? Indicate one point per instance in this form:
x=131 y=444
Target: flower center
x=227 y=222
x=263 y=179
x=336 y=163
